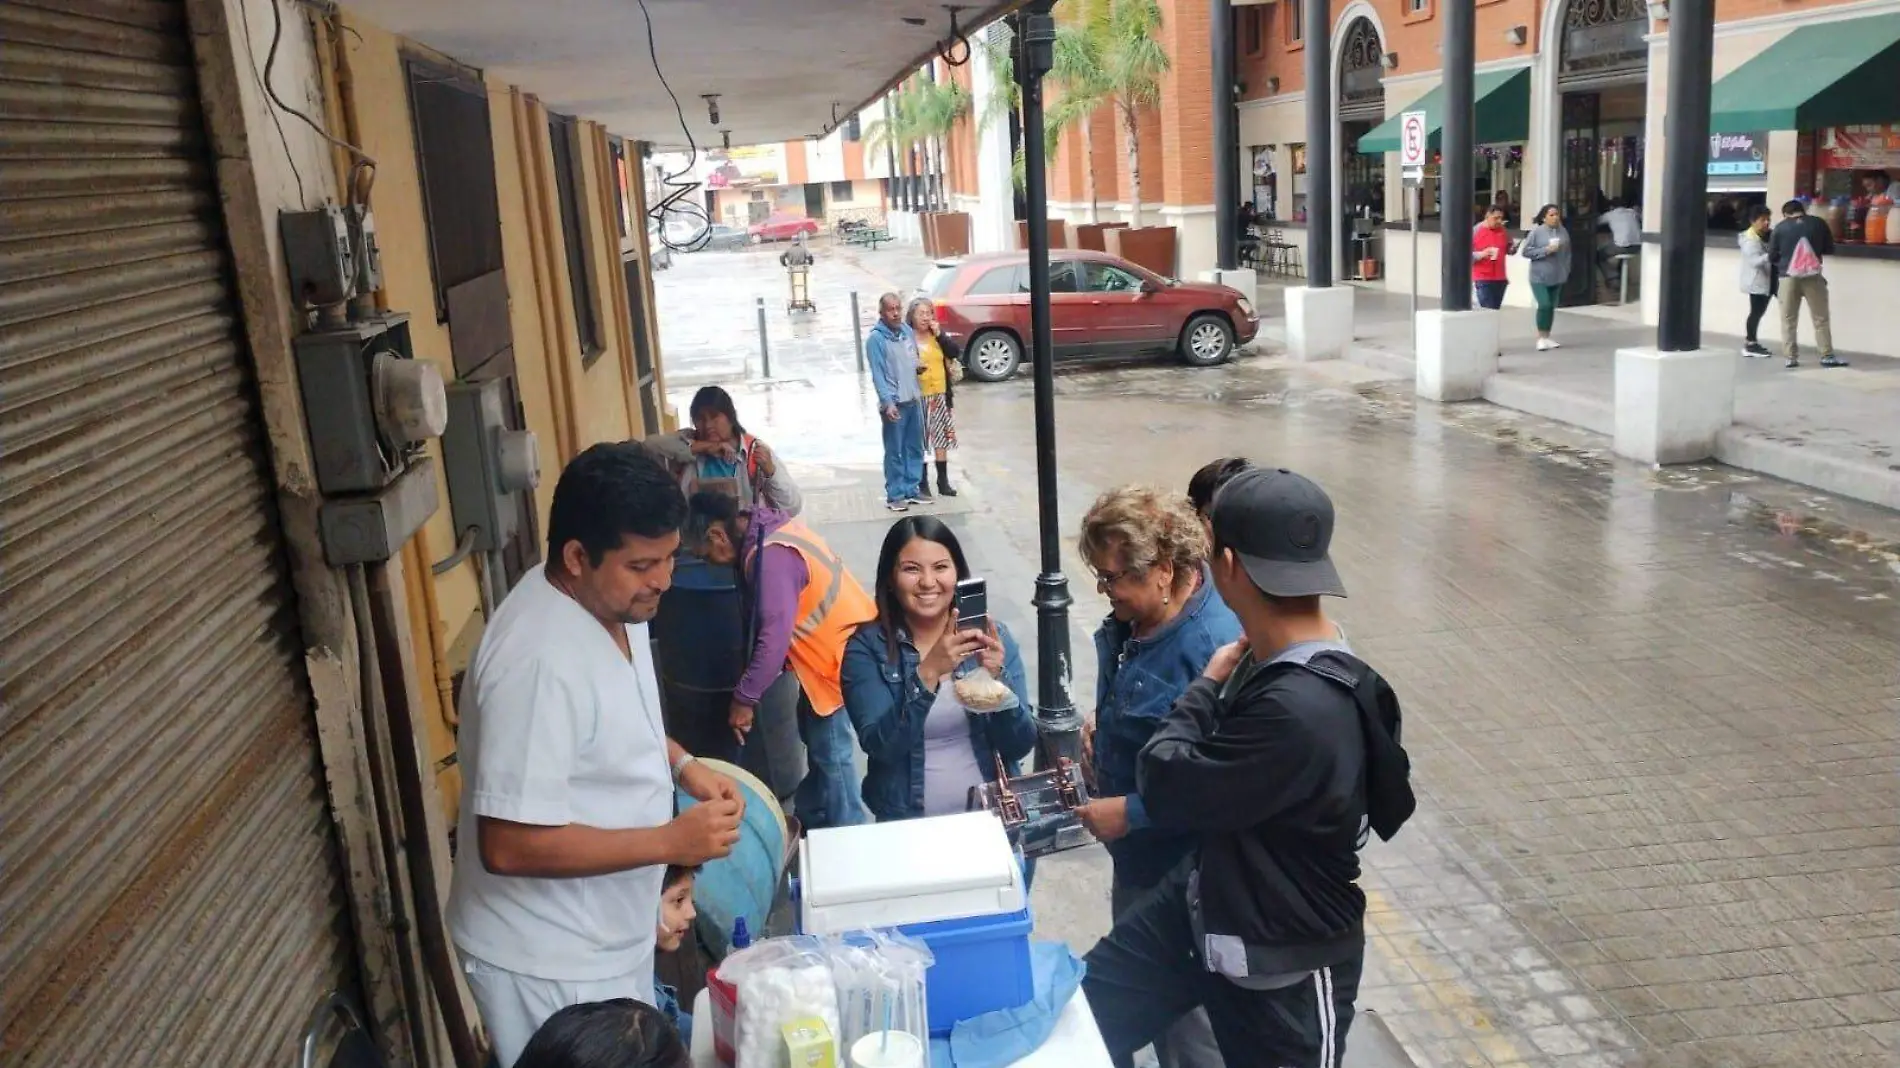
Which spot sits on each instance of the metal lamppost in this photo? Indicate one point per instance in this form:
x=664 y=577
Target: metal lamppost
x=1319 y=145
x=1058 y=723
x=1226 y=138
x=1456 y=145
x=1685 y=174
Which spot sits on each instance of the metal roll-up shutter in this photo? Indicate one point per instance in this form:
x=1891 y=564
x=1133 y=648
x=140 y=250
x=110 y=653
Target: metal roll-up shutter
x=169 y=873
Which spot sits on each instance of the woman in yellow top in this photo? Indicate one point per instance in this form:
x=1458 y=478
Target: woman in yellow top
x=938 y=360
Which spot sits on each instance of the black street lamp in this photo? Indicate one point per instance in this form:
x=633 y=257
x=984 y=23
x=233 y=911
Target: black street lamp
x=1685 y=174
x=1057 y=721
x=1455 y=144
x=1226 y=137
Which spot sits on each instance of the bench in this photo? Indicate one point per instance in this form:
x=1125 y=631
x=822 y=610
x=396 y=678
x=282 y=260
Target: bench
x=867 y=235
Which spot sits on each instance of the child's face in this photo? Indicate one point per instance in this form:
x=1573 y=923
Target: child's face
x=676 y=915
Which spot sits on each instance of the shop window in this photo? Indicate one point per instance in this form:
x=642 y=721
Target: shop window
x=841 y=192
x=1418 y=10
x=1852 y=174
x=564 y=134
x=1295 y=21
x=455 y=155
x=852 y=130
x=1250 y=30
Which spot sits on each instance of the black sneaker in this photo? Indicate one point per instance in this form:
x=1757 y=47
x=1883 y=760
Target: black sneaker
x=1832 y=360
x=1755 y=350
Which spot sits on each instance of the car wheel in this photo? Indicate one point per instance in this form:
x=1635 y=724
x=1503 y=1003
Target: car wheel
x=993 y=356
x=1207 y=339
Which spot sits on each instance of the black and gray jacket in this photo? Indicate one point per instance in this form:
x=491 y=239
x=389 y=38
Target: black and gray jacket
x=1281 y=772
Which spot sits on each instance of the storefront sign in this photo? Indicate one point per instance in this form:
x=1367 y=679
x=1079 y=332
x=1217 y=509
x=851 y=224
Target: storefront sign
x=747 y=166
x=1870 y=147
x=1738 y=154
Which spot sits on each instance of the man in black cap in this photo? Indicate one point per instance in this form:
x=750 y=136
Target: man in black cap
x=1280 y=757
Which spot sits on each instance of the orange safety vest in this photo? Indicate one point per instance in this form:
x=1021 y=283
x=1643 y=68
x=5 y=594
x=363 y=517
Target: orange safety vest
x=831 y=607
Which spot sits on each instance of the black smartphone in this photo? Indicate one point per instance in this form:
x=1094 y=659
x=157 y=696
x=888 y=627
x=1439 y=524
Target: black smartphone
x=973 y=604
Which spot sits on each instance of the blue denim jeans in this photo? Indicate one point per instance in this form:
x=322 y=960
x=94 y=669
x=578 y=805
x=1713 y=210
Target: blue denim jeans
x=1490 y=294
x=903 y=451
x=830 y=794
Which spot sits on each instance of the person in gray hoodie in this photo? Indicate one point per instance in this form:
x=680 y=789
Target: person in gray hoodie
x=1548 y=248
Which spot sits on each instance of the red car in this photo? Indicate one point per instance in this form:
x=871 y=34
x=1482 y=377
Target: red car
x=1099 y=305
x=783 y=228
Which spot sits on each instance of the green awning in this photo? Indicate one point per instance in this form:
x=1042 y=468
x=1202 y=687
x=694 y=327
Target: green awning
x=1830 y=74
x=1503 y=111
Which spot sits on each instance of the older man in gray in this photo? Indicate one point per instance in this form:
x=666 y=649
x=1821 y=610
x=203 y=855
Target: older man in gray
x=892 y=352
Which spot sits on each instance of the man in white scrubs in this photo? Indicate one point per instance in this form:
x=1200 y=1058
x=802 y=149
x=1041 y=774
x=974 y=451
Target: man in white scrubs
x=567 y=820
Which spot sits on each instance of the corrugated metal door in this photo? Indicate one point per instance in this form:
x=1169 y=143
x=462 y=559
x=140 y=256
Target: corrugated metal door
x=168 y=870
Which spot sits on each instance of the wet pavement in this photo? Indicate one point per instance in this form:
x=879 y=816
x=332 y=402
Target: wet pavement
x=1652 y=714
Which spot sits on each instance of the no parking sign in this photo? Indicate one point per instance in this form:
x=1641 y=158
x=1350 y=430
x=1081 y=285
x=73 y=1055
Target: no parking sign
x=1412 y=141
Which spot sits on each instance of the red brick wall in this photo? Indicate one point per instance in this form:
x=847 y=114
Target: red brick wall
x=1187 y=108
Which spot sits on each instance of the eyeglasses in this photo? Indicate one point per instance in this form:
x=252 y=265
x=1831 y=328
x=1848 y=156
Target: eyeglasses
x=1105 y=579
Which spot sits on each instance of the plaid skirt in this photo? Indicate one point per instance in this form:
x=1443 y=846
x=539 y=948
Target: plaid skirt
x=940 y=422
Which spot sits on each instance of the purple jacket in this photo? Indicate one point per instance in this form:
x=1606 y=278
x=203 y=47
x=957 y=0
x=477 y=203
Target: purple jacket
x=775 y=576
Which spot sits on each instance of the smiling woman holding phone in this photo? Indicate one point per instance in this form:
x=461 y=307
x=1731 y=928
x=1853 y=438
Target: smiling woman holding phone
x=1548 y=248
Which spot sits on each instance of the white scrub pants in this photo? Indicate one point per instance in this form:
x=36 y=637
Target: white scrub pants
x=513 y=1005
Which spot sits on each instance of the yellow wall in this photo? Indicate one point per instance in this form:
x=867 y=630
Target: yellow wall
x=570 y=403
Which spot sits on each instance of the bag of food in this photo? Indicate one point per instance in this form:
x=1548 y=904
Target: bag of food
x=979 y=691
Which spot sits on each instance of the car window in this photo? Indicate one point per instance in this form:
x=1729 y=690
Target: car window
x=1108 y=278
x=937 y=281
x=996 y=281
x=1061 y=278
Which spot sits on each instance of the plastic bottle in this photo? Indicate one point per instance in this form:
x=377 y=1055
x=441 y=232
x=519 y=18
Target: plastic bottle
x=741 y=937
x=1879 y=221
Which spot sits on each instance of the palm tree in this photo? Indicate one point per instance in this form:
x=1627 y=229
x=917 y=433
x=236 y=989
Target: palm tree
x=1108 y=52
x=917 y=116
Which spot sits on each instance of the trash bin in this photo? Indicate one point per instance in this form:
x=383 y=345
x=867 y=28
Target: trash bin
x=701 y=632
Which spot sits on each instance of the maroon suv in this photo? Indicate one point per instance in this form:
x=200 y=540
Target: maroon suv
x=1099 y=305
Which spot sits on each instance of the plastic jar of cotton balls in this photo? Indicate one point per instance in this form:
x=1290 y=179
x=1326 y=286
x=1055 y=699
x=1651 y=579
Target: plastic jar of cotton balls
x=773 y=995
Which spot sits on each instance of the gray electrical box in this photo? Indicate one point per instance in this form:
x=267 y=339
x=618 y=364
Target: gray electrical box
x=367 y=400
x=374 y=527
x=487 y=463
x=318 y=251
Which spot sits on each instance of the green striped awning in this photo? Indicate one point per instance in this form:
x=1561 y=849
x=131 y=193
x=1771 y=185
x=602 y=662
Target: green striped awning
x=1503 y=112
x=1828 y=74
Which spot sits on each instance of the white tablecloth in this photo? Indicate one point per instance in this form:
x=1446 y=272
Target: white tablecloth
x=1075 y=1043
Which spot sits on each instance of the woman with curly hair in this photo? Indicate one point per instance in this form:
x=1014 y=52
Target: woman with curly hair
x=1148 y=550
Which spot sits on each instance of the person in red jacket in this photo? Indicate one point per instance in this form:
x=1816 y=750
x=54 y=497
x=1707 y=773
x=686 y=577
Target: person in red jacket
x=1490 y=245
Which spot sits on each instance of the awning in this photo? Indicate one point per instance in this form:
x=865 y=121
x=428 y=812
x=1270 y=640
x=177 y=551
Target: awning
x=1831 y=74
x=1503 y=110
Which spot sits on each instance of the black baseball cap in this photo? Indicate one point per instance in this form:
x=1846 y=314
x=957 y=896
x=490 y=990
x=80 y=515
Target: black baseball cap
x=1279 y=524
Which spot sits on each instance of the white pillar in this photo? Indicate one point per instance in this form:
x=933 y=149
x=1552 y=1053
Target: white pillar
x=1243 y=279
x=1318 y=322
x=1671 y=405
x=1457 y=351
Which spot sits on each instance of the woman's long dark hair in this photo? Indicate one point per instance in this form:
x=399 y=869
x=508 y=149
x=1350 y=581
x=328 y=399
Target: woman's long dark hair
x=713 y=400
x=890 y=611
x=1536 y=220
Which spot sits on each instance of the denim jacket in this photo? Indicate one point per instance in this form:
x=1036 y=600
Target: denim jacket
x=1137 y=682
x=888 y=704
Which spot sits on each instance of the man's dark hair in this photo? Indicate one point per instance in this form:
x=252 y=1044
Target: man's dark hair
x=1211 y=477
x=706 y=510
x=1495 y=209
x=612 y=491
x=1794 y=207
x=621 y=1033
x=1760 y=211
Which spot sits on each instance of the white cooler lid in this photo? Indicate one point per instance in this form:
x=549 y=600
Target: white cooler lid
x=913 y=871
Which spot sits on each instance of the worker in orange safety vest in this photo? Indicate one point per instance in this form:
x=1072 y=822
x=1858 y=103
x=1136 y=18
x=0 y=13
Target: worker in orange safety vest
x=803 y=605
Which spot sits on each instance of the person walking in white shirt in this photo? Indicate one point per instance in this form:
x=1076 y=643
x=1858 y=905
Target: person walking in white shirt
x=567 y=820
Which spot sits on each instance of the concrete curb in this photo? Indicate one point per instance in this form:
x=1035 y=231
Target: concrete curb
x=1740 y=446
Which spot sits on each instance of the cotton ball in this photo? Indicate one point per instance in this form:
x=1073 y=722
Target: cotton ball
x=773 y=997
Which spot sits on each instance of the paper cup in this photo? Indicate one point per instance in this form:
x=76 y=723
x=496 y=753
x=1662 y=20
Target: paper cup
x=887 y=1049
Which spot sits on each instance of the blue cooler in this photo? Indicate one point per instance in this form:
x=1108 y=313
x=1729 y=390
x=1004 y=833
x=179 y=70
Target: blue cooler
x=952 y=882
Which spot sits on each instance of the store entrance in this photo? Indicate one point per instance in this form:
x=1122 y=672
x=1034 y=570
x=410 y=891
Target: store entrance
x=1362 y=177
x=1602 y=173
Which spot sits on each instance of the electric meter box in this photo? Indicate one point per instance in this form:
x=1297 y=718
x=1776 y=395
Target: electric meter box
x=487 y=463
x=356 y=435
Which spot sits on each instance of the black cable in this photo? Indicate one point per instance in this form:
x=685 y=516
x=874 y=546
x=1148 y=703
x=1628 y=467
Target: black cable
x=948 y=46
x=250 y=53
x=681 y=190
x=363 y=159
